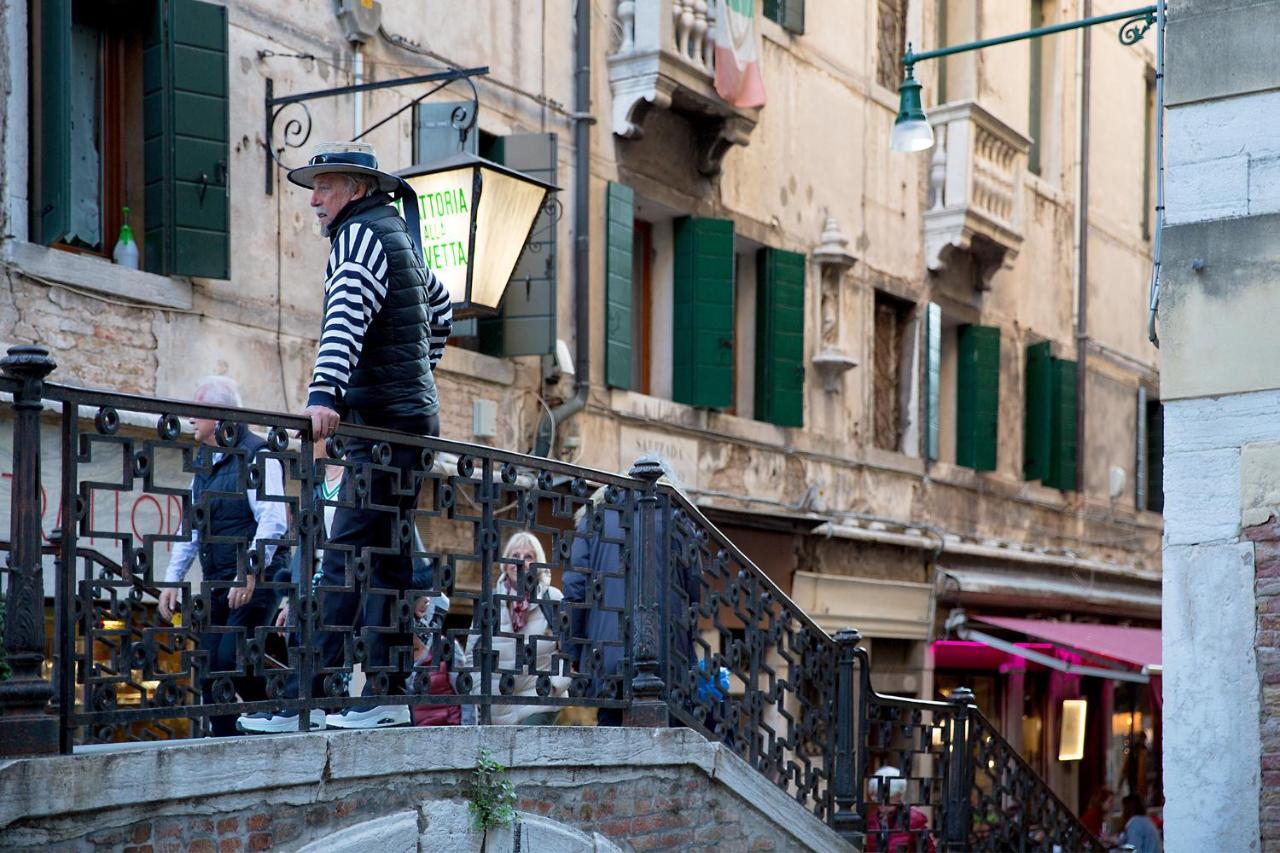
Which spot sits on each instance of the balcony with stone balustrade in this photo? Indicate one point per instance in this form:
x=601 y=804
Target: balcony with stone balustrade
x=975 y=190
x=663 y=56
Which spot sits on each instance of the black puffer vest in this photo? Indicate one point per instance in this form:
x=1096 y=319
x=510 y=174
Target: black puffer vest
x=392 y=383
x=228 y=516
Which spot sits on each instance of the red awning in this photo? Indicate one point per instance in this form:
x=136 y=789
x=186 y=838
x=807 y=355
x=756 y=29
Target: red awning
x=1140 y=646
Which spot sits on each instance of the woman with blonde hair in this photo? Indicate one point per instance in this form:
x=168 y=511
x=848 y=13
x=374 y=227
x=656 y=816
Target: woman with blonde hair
x=530 y=617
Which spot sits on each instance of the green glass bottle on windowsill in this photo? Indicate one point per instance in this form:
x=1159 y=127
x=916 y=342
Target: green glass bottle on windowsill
x=126 y=251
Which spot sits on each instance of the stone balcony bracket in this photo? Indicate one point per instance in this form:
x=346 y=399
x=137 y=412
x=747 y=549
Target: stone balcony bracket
x=975 y=190
x=833 y=260
x=665 y=58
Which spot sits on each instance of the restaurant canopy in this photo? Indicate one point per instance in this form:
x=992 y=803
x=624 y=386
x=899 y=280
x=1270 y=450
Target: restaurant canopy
x=1109 y=651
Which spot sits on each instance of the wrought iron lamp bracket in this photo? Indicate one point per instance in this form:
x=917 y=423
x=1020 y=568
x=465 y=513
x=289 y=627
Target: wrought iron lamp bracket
x=297 y=128
x=1135 y=26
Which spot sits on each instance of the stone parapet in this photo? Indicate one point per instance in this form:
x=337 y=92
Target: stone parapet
x=665 y=789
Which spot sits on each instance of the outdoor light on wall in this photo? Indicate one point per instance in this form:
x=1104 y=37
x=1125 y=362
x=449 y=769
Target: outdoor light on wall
x=911 y=130
x=476 y=218
x=1071 y=734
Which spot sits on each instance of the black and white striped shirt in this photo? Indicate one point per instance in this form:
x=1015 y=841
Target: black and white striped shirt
x=355 y=285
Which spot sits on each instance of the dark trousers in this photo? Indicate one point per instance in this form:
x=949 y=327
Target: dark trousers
x=369 y=609
x=223 y=655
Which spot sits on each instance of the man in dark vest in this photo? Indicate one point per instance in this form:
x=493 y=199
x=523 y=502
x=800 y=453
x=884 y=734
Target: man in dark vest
x=386 y=320
x=250 y=518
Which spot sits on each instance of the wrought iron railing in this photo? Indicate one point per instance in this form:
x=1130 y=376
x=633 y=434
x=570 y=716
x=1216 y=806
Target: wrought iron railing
x=662 y=618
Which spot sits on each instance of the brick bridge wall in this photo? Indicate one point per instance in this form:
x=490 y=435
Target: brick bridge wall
x=664 y=789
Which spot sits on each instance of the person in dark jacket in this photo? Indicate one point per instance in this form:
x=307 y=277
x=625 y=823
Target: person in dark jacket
x=595 y=590
x=236 y=609
x=386 y=319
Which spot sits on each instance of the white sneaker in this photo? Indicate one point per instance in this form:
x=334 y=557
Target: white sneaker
x=370 y=717
x=273 y=722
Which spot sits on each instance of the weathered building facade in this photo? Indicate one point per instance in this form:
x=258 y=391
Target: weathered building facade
x=865 y=365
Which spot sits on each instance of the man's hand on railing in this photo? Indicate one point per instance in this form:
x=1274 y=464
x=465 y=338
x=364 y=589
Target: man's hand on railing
x=324 y=421
x=168 y=602
x=282 y=618
x=238 y=596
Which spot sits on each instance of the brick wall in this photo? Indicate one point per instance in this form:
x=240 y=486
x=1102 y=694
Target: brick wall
x=671 y=812
x=96 y=343
x=1266 y=561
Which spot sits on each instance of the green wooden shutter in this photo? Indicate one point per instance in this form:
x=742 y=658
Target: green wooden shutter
x=526 y=321
x=780 y=337
x=51 y=212
x=1062 y=458
x=978 y=397
x=793 y=16
x=619 y=242
x=1038 y=413
x=932 y=378
x=702 y=363
x=788 y=13
x=187 y=153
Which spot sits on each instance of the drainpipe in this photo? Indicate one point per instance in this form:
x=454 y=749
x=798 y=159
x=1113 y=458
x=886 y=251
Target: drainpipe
x=582 y=120
x=1159 y=224
x=357 y=77
x=1082 y=262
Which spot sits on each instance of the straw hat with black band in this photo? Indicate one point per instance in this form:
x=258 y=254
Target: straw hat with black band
x=358 y=158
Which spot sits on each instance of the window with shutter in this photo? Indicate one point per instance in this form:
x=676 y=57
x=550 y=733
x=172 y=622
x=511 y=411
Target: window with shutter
x=1062 y=457
x=86 y=107
x=702 y=358
x=789 y=14
x=185 y=125
x=1155 y=455
x=978 y=397
x=526 y=321
x=779 y=385
x=618 y=267
x=1038 y=413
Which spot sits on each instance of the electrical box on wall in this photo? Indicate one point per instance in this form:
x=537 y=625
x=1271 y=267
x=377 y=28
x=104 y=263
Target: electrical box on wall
x=360 y=19
x=484 y=419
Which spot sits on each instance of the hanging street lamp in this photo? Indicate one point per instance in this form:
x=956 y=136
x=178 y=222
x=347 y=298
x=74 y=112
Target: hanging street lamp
x=476 y=217
x=911 y=130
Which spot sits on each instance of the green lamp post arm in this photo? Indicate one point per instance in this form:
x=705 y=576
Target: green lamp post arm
x=1137 y=22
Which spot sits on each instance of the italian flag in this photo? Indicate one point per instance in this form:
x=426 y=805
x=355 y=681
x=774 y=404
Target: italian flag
x=738 y=78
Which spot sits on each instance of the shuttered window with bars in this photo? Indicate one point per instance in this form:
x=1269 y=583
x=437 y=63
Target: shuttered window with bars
x=1049 y=428
x=702 y=357
x=156 y=142
x=779 y=379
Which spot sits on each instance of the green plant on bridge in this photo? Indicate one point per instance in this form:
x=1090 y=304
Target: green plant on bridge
x=491 y=796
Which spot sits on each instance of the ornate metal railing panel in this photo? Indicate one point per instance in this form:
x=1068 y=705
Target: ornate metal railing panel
x=743 y=663
x=939 y=775
x=658 y=617
x=138 y=675
x=1013 y=809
